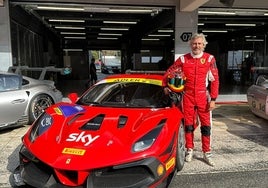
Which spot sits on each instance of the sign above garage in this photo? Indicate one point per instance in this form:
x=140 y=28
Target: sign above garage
x=186 y=36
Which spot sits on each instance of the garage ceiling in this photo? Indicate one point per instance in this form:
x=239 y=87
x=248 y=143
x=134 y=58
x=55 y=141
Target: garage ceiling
x=108 y=26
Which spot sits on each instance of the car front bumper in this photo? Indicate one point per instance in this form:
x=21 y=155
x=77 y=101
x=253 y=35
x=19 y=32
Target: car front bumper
x=142 y=173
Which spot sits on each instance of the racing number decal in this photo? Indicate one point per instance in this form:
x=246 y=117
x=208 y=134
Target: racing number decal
x=260 y=106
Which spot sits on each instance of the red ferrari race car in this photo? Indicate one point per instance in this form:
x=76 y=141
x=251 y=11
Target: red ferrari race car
x=124 y=131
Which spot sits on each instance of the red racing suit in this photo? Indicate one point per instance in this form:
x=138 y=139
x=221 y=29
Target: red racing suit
x=202 y=85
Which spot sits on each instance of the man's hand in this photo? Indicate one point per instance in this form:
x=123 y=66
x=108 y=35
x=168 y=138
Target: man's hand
x=212 y=105
x=166 y=90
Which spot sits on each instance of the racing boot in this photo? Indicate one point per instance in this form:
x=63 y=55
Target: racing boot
x=189 y=155
x=208 y=158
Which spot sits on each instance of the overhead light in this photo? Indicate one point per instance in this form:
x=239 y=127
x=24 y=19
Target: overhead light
x=254 y=40
x=63 y=20
x=240 y=25
x=71 y=33
x=107 y=38
x=120 y=22
x=145 y=51
x=233 y=11
x=150 y=39
x=165 y=31
x=265 y=14
x=250 y=36
x=214 y=31
x=68 y=27
x=96 y=9
x=114 y=29
x=60 y=8
x=249 y=13
x=132 y=10
x=74 y=50
x=75 y=37
x=158 y=35
x=215 y=12
x=200 y=24
x=110 y=34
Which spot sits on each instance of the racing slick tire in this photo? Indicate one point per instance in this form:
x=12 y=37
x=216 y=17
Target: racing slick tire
x=37 y=106
x=180 y=156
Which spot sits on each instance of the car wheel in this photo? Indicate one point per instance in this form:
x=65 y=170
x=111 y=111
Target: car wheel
x=37 y=106
x=180 y=157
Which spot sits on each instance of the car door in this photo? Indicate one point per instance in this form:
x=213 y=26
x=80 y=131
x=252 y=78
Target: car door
x=258 y=98
x=13 y=100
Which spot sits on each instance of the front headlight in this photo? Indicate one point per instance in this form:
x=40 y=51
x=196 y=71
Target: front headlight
x=40 y=126
x=148 y=139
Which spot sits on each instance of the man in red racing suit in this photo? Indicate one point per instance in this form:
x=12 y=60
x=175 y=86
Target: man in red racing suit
x=200 y=71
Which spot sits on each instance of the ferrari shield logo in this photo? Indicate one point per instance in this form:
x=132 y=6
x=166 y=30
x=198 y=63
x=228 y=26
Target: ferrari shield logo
x=202 y=60
x=68 y=161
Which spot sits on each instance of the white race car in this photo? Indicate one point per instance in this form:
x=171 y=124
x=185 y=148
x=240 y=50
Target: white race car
x=24 y=98
x=257 y=96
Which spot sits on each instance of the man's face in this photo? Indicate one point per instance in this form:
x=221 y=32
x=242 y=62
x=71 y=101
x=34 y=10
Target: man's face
x=197 y=46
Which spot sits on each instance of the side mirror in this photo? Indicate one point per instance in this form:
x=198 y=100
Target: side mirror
x=73 y=97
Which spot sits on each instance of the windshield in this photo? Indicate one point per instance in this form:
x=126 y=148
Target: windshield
x=118 y=94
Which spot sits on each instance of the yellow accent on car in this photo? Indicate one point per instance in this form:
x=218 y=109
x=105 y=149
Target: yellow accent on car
x=133 y=79
x=160 y=170
x=170 y=163
x=58 y=111
x=74 y=151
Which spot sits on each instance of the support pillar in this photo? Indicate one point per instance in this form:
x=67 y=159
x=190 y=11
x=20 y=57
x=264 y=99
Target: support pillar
x=185 y=27
x=5 y=39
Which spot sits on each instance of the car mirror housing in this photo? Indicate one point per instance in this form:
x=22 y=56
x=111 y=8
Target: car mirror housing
x=73 y=97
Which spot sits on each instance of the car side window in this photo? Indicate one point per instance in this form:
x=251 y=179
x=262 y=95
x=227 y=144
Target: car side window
x=9 y=82
x=1 y=83
x=25 y=82
x=265 y=84
x=262 y=81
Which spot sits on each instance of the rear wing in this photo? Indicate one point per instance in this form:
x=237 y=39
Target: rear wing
x=42 y=70
x=129 y=71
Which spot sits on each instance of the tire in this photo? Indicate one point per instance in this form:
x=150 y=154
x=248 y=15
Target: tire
x=180 y=156
x=37 y=106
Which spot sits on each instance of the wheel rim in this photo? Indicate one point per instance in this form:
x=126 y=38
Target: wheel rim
x=40 y=105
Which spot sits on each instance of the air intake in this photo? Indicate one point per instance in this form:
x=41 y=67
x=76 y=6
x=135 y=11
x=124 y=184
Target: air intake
x=94 y=123
x=122 y=121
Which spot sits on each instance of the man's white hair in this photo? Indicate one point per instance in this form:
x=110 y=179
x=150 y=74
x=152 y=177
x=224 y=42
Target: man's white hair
x=199 y=35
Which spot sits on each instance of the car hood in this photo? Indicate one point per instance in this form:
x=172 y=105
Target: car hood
x=83 y=137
